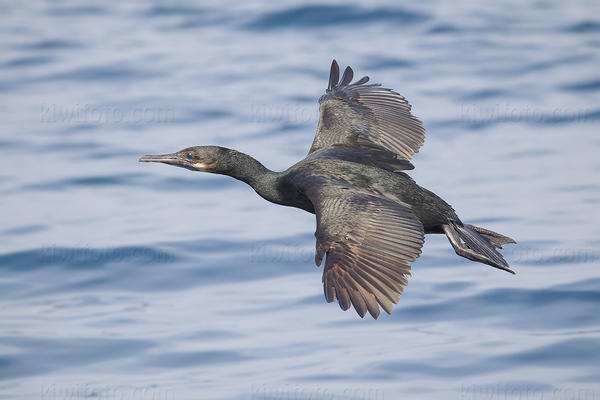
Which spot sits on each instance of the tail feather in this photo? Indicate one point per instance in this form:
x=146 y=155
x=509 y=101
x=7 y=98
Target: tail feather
x=495 y=239
x=477 y=244
x=480 y=244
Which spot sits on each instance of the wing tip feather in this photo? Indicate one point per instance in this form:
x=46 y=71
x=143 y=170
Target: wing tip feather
x=334 y=75
x=347 y=76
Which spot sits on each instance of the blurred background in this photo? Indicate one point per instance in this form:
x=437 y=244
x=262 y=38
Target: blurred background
x=127 y=280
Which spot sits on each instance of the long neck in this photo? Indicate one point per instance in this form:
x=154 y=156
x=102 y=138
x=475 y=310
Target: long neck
x=249 y=170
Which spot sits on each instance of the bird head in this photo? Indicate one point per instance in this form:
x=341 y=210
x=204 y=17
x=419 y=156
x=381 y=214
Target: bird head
x=197 y=158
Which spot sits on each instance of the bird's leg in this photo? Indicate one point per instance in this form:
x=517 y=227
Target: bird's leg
x=462 y=250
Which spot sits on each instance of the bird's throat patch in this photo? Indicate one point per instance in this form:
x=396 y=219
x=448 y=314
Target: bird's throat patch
x=202 y=166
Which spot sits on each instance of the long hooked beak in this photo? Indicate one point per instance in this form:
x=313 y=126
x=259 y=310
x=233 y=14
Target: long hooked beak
x=178 y=161
x=172 y=159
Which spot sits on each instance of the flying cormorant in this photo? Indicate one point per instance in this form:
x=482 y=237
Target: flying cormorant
x=371 y=217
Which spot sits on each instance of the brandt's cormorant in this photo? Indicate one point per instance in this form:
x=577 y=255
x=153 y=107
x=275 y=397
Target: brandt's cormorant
x=371 y=217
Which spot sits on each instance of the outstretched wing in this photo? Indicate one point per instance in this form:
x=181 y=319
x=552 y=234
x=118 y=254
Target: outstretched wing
x=358 y=115
x=369 y=241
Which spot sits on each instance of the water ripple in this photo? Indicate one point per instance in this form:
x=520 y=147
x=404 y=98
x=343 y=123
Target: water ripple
x=566 y=353
x=306 y=17
x=587 y=86
x=43 y=355
x=50 y=45
x=27 y=62
x=193 y=358
x=584 y=27
x=554 y=308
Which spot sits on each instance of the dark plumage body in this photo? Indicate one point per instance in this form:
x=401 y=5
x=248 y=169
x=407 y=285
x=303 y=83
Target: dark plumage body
x=430 y=209
x=371 y=216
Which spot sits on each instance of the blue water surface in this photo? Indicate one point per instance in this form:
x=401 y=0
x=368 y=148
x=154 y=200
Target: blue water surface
x=124 y=280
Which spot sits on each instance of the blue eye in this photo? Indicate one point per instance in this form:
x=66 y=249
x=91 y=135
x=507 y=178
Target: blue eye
x=189 y=156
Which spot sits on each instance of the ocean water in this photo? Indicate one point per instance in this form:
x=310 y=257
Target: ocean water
x=124 y=280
